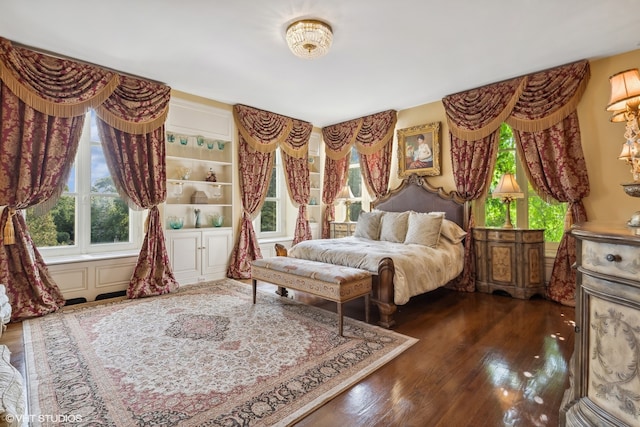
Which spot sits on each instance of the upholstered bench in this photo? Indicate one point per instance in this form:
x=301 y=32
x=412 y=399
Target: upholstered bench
x=332 y=282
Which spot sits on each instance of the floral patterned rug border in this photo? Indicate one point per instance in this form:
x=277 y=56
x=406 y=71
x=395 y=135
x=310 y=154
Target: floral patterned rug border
x=203 y=356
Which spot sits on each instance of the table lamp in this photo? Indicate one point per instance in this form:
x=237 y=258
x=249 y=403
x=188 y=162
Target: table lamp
x=346 y=195
x=507 y=190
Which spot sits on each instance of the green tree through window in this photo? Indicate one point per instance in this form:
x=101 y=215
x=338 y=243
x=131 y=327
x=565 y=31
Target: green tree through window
x=532 y=212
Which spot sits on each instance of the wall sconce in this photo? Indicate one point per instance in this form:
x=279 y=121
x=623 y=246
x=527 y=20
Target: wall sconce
x=624 y=103
x=507 y=190
x=346 y=195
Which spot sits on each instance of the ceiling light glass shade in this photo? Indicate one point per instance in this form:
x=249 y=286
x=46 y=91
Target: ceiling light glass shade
x=309 y=38
x=625 y=89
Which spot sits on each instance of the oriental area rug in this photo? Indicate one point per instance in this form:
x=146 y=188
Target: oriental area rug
x=202 y=356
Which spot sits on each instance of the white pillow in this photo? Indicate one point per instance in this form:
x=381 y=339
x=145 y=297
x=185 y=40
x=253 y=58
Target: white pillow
x=424 y=228
x=452 y=231
x=393 y=226
x=368 y=225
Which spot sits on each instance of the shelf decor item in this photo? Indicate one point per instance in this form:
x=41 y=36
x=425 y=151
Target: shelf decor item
x=176 y=222
x=184 y=173
x=177 y=189
x=199 y=198
x=211 y=176
x=217 y=220
x=216 y=192
x=197 y=213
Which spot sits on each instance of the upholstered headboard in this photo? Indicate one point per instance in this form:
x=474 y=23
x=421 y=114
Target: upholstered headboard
x=416 y=194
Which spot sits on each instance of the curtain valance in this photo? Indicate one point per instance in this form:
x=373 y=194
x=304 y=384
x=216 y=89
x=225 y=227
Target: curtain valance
x=369 y=134
x=265 y=131
x=136 y=106
x=549 y=97
x=477 y=113
x=53 y=86
x=66 y=88
x=529 y=103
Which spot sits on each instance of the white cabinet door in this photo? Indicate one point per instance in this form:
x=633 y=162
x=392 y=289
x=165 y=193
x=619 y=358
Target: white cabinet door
x=185 y=255
x=217 y=247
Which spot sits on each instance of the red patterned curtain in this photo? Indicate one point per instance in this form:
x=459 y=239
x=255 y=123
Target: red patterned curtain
x=374 y=142
x=372 y=136
x=131 y=126
x=338 y=140
x=295 y=158
x=474 y=119
x=548 y=136
x=260 y=133
x=42 y=105
x=540 y=104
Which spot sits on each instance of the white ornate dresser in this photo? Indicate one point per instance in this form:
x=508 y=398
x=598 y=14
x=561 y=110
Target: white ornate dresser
x=605 y=380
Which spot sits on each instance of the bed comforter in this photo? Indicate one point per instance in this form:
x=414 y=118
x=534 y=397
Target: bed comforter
x=418 y=269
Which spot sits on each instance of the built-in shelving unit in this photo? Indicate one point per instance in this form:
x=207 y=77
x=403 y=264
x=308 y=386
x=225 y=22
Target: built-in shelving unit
x=188 y=167
x=199 y=145
x=314 y=209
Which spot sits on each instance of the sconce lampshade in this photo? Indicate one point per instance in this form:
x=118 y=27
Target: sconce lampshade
x=309 y=38
x=625 y=89
x=625 y=154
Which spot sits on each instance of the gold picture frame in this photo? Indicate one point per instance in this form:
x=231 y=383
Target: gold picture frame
x=419 y=150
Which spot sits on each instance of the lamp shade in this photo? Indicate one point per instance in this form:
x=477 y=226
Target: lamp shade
x=625 y=154
x=625 y=89
x=507 y=188
x=345 y=193
x=309 y=38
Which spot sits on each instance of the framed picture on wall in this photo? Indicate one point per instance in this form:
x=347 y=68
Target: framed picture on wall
x=419 y=150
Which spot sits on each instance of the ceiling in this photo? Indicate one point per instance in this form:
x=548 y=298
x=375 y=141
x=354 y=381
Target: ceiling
x=385 y=55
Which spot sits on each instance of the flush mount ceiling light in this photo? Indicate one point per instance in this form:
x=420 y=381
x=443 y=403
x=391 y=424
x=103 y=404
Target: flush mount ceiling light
x=309 y=38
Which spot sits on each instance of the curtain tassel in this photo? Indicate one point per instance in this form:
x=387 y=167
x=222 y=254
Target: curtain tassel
x=9 y=235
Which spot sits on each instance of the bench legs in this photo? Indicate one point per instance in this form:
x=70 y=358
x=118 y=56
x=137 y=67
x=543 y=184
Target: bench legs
x=254 y=285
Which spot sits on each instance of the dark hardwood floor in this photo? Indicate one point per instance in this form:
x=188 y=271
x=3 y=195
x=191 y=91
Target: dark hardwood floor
x=481 y=360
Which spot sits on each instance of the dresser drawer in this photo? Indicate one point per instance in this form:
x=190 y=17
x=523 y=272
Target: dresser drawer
x=615 y=260
x=340 y=227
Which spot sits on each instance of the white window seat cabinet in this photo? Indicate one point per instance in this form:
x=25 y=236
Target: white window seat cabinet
x=199 y=255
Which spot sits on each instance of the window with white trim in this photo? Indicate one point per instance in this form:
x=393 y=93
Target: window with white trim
x=271 y=220
x=529 y=212
x=361 y=197
x=89 y=217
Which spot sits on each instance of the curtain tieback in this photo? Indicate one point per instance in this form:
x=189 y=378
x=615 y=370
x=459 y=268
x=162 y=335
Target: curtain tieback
x=9 y=232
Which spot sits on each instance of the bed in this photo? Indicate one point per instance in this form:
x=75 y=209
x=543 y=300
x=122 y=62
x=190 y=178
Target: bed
x=390 y=289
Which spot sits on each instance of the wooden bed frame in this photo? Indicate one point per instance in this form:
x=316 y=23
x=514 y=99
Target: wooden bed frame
x=416 y=194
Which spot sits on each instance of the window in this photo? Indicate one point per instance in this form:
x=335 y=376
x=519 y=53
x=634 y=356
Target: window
x=270 y=221
x=89 y=216
x=360 y=195
x=530 y=212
